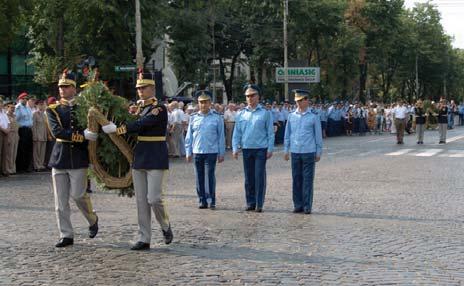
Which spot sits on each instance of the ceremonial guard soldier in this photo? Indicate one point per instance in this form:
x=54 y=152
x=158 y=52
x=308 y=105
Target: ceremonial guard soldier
x=69 y=161
x=205 y=141
x=254 y=133
x=303 y=140
x=150 y=167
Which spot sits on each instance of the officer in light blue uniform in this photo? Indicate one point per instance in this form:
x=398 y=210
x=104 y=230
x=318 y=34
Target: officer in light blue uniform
x=335 y=122
x=254 y=133
x=303 y=142
x=205 y=142
x=323 y=117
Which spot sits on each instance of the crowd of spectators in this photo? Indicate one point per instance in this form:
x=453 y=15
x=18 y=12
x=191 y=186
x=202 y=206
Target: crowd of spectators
x=337 y=119
x=25 y=142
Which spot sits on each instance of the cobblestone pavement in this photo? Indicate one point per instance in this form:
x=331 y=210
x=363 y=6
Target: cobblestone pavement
x=378 y=220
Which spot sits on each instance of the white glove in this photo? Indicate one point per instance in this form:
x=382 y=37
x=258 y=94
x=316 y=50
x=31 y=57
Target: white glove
x=110 y=128
x=89 y=135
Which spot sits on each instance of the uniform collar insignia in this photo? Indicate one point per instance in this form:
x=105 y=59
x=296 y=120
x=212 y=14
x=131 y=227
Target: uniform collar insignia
x=68 y=102
x=146 y=102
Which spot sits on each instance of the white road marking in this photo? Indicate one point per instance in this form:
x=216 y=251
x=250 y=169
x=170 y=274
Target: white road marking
x=367 y=153
x=400 y=152
x=429 y=152
x=452 y=139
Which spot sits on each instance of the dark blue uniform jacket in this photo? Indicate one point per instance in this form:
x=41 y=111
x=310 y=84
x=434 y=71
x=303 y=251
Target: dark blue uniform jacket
x=66 y=154
x=152 y=122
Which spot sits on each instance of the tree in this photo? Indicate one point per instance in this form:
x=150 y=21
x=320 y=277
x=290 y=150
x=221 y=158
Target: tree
x=190 y=41
x=315 y=25
x=62 y=34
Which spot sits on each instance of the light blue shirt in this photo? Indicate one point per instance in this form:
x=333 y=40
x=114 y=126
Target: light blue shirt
x=275 y=114
x=303 y=133
x=253 y=129
x=23 y=115
x=205 y=134
x=335 y=114
x=285 y=113
x=323 y=114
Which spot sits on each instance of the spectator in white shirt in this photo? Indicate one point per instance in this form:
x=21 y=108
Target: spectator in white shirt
x=229 y=120
x=400 y=114
x=4 y=130
x=176 y=129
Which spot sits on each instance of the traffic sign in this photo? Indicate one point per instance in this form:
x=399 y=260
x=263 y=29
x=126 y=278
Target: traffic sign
x=298 y=75
x=125 y=68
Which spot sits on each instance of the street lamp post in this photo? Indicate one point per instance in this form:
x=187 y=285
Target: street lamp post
x=138 y=35
x=213 y=23
x=285 y=48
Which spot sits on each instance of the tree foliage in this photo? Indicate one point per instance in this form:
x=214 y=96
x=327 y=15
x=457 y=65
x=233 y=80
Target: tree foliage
x=63 y=34
x=366 y=49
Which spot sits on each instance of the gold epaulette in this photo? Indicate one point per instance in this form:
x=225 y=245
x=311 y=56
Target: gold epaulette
x=53 y=106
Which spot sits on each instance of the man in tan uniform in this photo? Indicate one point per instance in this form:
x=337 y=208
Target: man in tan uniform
x=39 y=136
x=4 y=130
x=10 y=142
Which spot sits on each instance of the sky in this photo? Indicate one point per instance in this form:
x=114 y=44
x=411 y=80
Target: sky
x=452 y=17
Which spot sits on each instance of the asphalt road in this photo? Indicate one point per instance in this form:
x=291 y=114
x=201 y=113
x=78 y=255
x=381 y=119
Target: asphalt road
x=384 y=214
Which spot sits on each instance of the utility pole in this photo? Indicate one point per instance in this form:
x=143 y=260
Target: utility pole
x=213 y=23
x=444 y=89
x=285 y=48
x=138 y=35
x=417 y=77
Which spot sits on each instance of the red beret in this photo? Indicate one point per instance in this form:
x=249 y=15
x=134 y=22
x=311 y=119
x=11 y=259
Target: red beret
x=23 y=95
x=51 y=100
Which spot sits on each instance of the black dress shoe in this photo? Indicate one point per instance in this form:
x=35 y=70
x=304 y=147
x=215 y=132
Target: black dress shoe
x=203 y=206
x=298 y=210
x=65 y=241
x=250 y=208
x=212 y=207
x=168 y=236
x=307 y=211
x=259 y=210
x=93 y=229
x=140 y=246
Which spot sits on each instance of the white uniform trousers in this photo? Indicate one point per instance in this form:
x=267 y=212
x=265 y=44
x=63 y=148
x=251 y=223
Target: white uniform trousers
x=149 y=186
x=71 y=182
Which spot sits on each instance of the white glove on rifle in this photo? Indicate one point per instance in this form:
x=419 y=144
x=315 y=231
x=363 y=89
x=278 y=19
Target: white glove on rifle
x=110 y=128
x=89 y=135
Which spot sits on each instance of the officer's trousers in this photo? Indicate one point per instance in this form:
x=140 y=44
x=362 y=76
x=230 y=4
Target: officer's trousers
x=254 y=165
x=303 y=166
x=229 y=132
x=39 y=148
x=2 y=153
x=149 y=186
x=420 y=128
x=66 y=183
x=442 y=128
x=24 y=156
x=400 y=124
x=10 y=149
x=205 y=181
x=176 y=140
